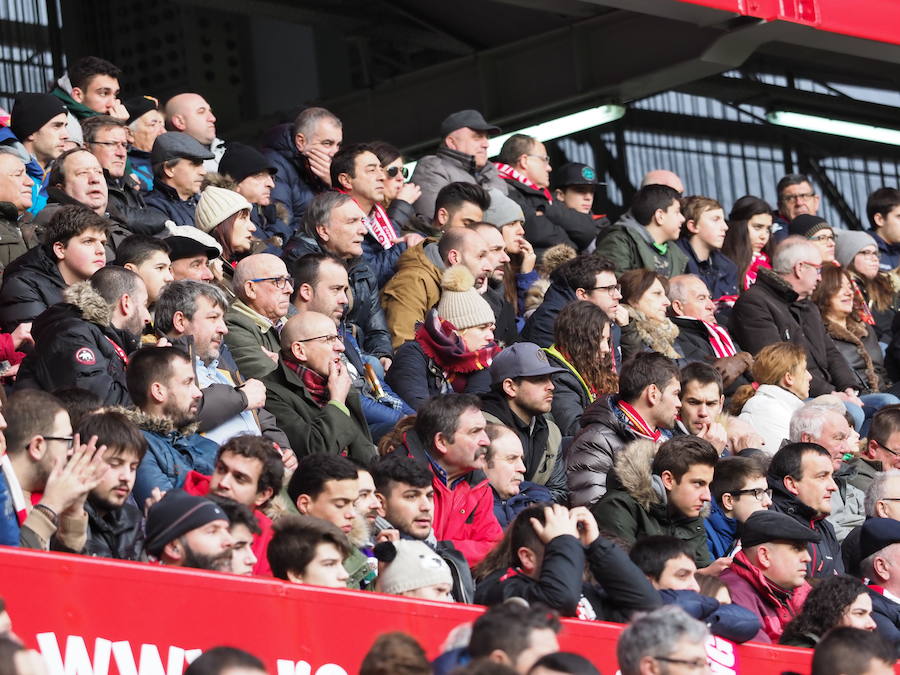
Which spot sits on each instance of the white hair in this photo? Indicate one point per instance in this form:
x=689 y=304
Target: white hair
x=791 y=251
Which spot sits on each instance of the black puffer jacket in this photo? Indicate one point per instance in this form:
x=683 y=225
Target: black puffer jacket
x=770 y=311
x=365 y=316
x=551 y=223
x=118 y=534
x=826 y=553
x=31 y=284
x=592 y=454
x=75 y=346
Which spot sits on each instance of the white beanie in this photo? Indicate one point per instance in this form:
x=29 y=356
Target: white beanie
x=460 y=303
x=410 y=564
x=216 y=205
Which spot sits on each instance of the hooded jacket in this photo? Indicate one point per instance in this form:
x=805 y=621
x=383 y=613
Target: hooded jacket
x=335 y=428
x=295 y=183
x=172 y=453
x=31 y=283
x=630 y=246
x=414 y=289
x=365 y=314
x=539 y=326
x=76 y=346
x=775 y=607
x=643 y=334
x=165 y=199
x=551 y=223
x=637 y=505
x=34 y=170
x=463 y=510
x=770 y=311
x=591 y=455
x=825 y=554
x=446 y=166
x=620 y=590
x=769 y=411
x=541 y=441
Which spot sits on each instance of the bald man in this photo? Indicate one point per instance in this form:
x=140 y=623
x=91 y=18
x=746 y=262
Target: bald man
x=310 y=391
x=263 y=288
x=663 y=177
x=192 y=114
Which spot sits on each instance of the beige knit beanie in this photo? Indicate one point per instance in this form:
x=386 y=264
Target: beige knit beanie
x=216 y=205
x=460 y=303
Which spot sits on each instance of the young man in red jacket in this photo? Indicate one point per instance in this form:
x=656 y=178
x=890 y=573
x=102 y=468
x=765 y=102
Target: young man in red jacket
x=250 y=471
x=449 y=436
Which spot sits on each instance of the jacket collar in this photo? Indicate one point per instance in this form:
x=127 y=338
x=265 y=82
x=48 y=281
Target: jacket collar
x=776 y=285
x=171 y=193
x=789 y=504
x=466 y=161
x=261 y=322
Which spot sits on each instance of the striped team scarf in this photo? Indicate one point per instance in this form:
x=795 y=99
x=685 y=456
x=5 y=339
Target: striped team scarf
x=379 y=224
x=637 y=424
x=509 y=173
x=720 y=340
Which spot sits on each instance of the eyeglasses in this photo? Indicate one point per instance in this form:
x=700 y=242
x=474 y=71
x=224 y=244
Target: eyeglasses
x=869 y=254
x=881 y=445
x=68 y=440
x=756 y=492
x=816 y=266
x=544 y=158
x=803 y=196
x=693 y=664
x=394 y=170
x=614 y=288
x=822 y=237
x=124 y=145
x=279 y=282
x=327 y=339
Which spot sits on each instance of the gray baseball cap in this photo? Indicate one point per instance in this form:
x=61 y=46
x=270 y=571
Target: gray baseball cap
x=523 y=359
x=178 y=145
x=467 y=118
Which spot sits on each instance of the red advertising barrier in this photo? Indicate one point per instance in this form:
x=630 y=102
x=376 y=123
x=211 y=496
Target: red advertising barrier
x=89 y=616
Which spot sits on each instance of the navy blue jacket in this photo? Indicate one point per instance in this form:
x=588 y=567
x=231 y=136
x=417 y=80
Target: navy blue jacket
x=721 y=532
x=729 y=621
x=295 y=184
x=382 y=261
x=166 y=199
x=529 y=493
x=719 y=272
x=889 y=254
x=886 y=614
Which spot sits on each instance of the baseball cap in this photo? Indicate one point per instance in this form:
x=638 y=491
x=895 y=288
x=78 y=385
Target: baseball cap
x=573 y=173
x=523 y=359
x=467 y=118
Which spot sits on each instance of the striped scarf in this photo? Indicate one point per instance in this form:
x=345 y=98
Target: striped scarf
x=509 y=173
x=720 y=340
x=637 y=424
x=379 y=224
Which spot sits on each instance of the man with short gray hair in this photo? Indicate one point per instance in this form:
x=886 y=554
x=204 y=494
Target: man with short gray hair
x=263 y=288
x=664 y=637
x=302 y=153
x=777 y=309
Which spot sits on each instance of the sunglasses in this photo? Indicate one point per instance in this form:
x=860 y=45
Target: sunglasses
x=394 y=170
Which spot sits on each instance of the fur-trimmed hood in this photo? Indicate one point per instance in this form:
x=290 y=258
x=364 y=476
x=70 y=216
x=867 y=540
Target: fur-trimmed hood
x=156 y=425
x=92 y=305
x=658 y=335
x=854 y=334
x=633 y=471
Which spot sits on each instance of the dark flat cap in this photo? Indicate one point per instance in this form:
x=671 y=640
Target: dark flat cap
x=467 y=118
x=876 y=534
x=186 y=241
x=765 y=526
x=178 y=145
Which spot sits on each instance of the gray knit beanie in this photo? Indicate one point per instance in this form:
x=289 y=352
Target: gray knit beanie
x=411 y=564
x=502 y=210
x=850 y=243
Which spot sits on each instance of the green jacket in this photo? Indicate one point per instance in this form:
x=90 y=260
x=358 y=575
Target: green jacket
x=630 y=246
x=636 y=506
x=247 y=333
x=335 y=428
x=361 y=576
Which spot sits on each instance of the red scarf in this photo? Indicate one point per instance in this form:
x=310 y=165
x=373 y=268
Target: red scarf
x=719 y=339
x=379 y=224
x=759 y=260
x=860 y=307
x=509 y=173
x=315 y=384
x=440 y=342
x=637 y=424
x=785 y=605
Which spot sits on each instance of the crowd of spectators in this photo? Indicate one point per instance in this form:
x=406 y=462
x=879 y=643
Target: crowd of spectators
x=299 y=362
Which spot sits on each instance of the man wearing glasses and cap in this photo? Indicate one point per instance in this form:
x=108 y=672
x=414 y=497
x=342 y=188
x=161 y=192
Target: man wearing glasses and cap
x=311 y=394
x=462 y=157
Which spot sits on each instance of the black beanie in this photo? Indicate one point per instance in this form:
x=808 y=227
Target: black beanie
x=178 y=513
x=32 y=111
x=140 y=106
x=241 y=161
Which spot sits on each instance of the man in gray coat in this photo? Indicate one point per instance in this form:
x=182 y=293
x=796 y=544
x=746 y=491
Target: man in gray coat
x=462 y=157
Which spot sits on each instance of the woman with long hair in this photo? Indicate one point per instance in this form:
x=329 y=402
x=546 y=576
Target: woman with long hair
x=582 y=347
x=748 y=241
x=781 y=385
x=857 y=252
x=452 y=349
x=225 y=215
x=835 y=601
x=645 y=294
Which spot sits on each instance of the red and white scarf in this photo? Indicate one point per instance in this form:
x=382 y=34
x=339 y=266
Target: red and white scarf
x=509 y=173
x=759 y=260
x=15 y=490
x=637 y=424
x=379 y=225
x=720 y=340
